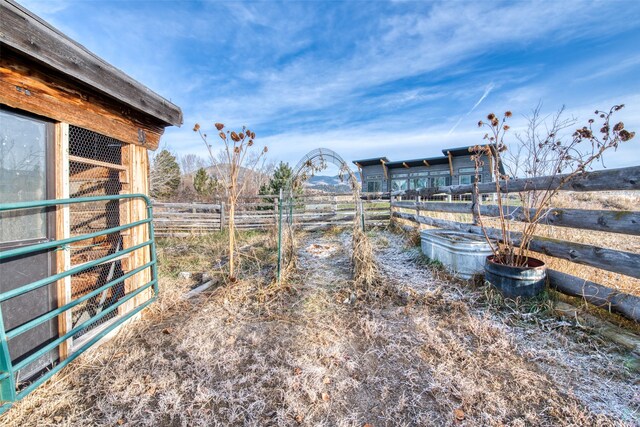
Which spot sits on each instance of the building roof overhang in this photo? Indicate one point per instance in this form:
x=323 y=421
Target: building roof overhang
x=29 y=35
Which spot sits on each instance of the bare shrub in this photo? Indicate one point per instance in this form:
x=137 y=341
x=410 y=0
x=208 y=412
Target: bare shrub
x=366 y=273
x=541 y=151
x=233 y=159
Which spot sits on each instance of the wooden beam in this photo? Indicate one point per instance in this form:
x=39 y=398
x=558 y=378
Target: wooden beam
x=426 y=163
x=30 y=35
x=25 y=85
x=63 y=231
x=621 y=222
x=405 y=165
x=596 y=294
x=622 y=179
x=97 y=163
x=462 y=208
x=450 y=162
x=139 y=173
x=125 y=218
x=384 y=169
x=360 y=172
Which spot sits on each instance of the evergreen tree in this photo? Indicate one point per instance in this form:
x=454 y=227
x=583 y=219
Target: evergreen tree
x=201 y=182
x=281 y=176
x=165 y=175
x=280 y=179
x=204 y=184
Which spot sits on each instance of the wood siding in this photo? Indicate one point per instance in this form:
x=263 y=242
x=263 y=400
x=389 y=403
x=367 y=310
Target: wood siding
x=25 y=85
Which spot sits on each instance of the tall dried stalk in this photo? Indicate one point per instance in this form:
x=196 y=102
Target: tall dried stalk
x=541 y=151
x=228 y=165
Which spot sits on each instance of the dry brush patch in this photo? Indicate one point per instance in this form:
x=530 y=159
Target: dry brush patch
x=516 y=362
x=438 y=356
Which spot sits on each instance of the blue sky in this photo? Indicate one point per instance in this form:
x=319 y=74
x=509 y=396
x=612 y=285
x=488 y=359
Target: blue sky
x=366 y=78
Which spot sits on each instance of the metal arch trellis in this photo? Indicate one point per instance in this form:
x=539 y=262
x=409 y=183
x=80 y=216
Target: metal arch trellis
x=316 y=160
x=321 y=154
x=313 y=161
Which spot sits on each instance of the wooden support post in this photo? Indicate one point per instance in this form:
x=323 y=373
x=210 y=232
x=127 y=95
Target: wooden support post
x=450 y=156
x=138 y=167
x=63 y=231
x=275 y=210
x=360 y=172
x=491 y=161
x=475 y=205
x=125 y=218
x=221 y=216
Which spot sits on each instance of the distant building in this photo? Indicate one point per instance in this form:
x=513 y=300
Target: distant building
x=454 y=167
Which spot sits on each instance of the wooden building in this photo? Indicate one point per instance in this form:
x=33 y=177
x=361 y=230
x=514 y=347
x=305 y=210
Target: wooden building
x=72 y=126
x=453 y=167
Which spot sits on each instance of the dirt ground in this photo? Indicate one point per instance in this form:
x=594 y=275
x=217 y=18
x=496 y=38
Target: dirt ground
x=429 y=351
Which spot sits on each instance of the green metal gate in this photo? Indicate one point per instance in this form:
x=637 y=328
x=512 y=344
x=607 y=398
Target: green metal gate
x=10 y=389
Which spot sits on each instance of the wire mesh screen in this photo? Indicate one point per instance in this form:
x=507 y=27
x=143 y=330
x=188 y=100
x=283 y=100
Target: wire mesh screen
x=95 y=169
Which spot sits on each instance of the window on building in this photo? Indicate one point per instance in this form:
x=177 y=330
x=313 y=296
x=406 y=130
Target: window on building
x=440 y=181
x=469 y=179
x=374 y=186
x=398 y=184
x=469 y=170
x=418 y=183
x=23 y=178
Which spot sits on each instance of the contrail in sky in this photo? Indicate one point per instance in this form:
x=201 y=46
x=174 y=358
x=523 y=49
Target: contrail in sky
x=484 y=95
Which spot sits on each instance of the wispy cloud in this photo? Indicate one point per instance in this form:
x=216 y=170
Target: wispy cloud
x=486 y=93
x=363 y=80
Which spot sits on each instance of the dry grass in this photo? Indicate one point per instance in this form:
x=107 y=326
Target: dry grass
x=440 y=355
x=366 y=275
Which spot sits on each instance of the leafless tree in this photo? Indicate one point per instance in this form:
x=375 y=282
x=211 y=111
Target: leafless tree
x=542 y=150
x=229 y=163
x=189 y=163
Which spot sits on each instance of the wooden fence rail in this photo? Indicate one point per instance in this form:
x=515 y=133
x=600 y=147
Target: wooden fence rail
x=261 y=212
x=621 y=222
x=604 y=180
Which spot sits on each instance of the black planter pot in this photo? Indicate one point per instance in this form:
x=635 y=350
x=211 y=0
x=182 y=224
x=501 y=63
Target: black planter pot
x=515 y=282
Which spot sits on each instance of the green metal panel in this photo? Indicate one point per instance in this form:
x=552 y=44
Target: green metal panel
x=8 y=370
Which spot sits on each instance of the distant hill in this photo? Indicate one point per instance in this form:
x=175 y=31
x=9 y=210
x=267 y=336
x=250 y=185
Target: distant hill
x=329 y=184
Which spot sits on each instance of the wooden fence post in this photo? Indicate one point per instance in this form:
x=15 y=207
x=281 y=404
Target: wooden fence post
x=475 y=202
x=276 y=210
x=221 y=216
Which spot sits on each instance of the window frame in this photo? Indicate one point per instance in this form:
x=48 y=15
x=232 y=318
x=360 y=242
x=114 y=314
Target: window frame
x=50 y=175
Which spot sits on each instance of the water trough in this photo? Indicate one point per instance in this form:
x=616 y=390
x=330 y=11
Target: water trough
x=461 y=253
